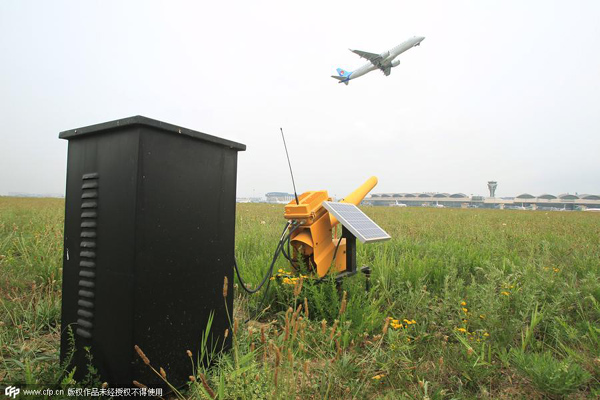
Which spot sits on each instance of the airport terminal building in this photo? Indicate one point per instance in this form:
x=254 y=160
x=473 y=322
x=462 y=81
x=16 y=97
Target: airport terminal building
x=524 y=201
x=279 y=197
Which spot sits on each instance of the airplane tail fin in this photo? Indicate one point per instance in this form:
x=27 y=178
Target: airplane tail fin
x=343 y=73
x=344 y=76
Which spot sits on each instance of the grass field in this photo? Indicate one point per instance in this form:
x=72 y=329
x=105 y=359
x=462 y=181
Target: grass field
x=464 y=304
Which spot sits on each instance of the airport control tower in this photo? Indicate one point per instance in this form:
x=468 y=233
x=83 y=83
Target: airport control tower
x=492 y=186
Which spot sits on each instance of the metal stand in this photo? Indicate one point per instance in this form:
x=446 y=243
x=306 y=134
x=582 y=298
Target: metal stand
x=351 y=261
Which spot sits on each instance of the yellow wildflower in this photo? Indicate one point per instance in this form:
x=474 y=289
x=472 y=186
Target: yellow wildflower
x=464 y=303
x=465 y=310
x=505 y=293
x=482 y=316
x=289 y=281
x=378 y=377
x=463 y=330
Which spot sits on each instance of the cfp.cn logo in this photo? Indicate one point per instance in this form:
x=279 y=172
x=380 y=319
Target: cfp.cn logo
x=12 y=391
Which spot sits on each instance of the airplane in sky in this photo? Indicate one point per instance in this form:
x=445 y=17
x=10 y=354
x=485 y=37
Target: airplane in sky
x=384 y=61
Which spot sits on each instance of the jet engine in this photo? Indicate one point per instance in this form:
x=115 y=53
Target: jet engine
x=395 y=63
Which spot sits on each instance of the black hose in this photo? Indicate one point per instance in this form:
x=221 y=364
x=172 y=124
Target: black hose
x=288 y=249
x=264 y=297
x=284 y=242
x=287 y=253
x=269 y=272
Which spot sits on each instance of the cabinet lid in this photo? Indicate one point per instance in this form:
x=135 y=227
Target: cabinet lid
x=153 y=123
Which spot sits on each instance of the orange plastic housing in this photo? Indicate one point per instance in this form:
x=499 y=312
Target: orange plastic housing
x=313 y=238
x=310 y=207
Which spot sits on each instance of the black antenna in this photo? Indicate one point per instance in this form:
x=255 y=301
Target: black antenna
x=291 y=173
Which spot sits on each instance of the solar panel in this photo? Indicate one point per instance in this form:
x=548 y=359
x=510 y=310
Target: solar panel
x=356 y=222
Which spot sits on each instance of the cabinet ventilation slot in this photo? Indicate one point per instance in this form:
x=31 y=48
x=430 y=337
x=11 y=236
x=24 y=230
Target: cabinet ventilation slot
x=87 y=261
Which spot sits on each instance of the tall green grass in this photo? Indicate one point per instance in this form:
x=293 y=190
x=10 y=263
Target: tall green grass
x=504 y=303
x=30 y=284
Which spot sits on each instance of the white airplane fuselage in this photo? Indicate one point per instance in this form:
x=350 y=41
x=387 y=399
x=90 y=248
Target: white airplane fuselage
x=385 y=60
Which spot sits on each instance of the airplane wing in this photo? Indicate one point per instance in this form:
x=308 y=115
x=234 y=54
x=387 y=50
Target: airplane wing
x=374 y=58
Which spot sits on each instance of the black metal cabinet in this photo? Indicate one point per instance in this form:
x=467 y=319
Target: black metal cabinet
x=149 y=238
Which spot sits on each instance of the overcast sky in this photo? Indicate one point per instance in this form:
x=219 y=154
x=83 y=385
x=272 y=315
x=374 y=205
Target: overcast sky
x=504 y=90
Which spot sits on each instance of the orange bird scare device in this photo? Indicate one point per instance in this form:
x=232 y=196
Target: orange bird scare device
x=312 y=216
x=315 y=217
